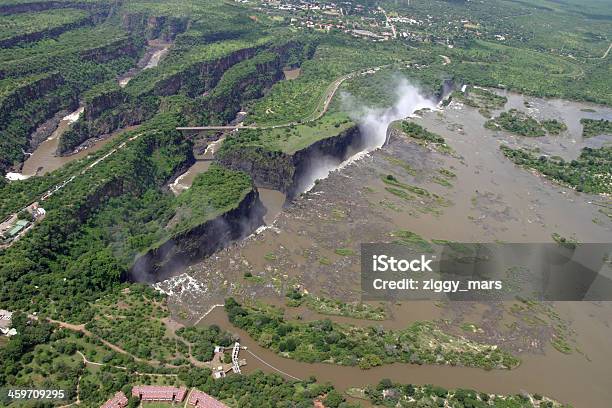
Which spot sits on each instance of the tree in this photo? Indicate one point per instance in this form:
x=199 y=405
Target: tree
x=333 y=399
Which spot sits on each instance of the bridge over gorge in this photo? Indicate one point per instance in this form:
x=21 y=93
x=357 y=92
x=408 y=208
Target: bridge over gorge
x=200 y=128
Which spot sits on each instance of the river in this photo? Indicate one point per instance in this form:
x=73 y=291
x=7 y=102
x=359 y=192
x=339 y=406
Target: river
x=156 y=50
x=44 y=159
x=489 y=199
x=568 y=378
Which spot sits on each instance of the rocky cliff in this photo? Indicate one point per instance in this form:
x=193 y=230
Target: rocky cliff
x=200 y=241
x=284 y=172
x=117 y=109
x=26 y=108
x=120 y=48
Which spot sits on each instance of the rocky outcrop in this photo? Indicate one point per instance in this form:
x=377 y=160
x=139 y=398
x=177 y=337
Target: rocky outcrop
x=200 y=241
x=154 y=27
x=26 y=108
x=45 y=130
x=114 y=109
x=102 y=102
x=106 y=122
x=120 y=48
x=24 y=94
x=339 y=147
x=284 y=172
x=269 y=169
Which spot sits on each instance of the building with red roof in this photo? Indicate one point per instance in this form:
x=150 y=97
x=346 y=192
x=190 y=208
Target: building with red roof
x=118 y=401
x=200 y=399
x=159 y=393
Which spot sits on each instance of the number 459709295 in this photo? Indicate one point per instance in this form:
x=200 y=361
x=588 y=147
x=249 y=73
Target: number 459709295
x=17 y=393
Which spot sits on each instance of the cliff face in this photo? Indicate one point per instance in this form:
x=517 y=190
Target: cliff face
x=50 y=33
x=339 y=147
x=202 y=77
x=45 y=130
x=269 y=169
x=284 y=172
x=35 y=90
x=102 y=102
x=105 y=120
x=163 y=27
x=201 y=241
x=27 y=108
x=115 y=109
x=120 y=48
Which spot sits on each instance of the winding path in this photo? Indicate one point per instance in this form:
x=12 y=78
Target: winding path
x=607 y=52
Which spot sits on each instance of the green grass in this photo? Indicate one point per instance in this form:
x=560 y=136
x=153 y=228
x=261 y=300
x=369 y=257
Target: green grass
x=133 y=322
x=213 y=192
x=9 y=85
x=411 y=239
x=424 y=136
x=301 y=99
x=80 y=39
x=441 y=181
x=344 y=252
x=301 y=136
x=288 y=139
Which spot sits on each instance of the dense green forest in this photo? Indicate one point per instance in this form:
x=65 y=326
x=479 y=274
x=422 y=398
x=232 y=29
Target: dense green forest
x=522 y=124
x=43 y=350
x=366 y=347
x=42 y=354
x=49 y=75
x=591 y=172
x=389 y=394
x=99 y=223
x=592 y=127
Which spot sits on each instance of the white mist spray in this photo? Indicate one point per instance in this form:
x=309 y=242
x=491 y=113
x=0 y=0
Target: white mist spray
x=373 y=124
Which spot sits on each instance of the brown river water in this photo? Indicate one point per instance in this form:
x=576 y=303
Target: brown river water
x=568 y=378
x=43 y=159
x=490 y=199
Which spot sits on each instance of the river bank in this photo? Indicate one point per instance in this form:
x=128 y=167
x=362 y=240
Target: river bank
x=487 y=198
x=44 y=157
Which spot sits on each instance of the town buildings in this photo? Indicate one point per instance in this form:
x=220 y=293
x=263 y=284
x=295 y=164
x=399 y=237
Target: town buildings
x=119 y=400
x=200 y=399
x=159 y=393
